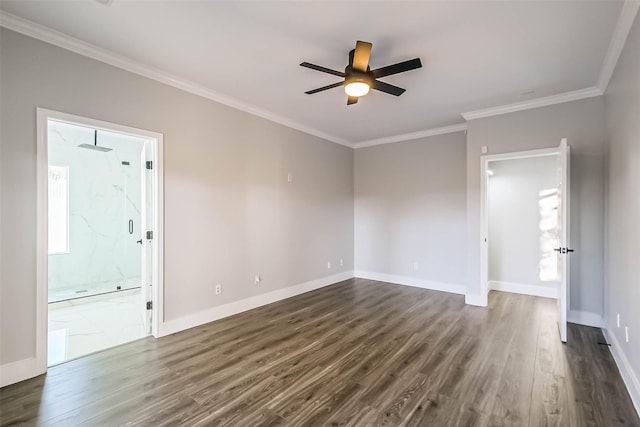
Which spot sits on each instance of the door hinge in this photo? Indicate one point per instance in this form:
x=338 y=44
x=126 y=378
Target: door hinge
x=149 y=305
x=149 y=235
x=149 y=164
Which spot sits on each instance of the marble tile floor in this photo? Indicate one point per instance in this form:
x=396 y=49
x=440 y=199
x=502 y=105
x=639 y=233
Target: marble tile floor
x=87 y=325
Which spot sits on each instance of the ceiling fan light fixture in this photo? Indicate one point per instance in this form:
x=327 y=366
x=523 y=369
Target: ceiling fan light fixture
x=357 y=85
x=357 y=89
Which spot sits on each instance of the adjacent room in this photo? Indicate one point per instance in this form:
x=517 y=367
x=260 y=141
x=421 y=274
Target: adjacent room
x=96 y=246
x=523 y=225
x=351 y=213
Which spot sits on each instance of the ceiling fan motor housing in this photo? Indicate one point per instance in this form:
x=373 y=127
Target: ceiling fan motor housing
x=357 y=76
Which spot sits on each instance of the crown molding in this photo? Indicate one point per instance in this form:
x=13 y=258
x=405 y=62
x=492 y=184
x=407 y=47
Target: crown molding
x=616 y=45
x=80 y=47
x=409 y=136
x=625 y=21
x=534 y=103
x=620 y=33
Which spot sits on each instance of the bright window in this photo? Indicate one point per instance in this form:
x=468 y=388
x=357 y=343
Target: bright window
x=58 y=209
x=549 y=240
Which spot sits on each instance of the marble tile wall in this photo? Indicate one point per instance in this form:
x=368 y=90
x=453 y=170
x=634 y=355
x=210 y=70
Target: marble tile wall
x=104 y=195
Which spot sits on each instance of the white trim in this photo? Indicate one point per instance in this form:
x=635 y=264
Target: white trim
x=616 y=45
x=412 y=281
x=585 y=318
x=484 y=228
x=60 y=116
x=43 y=116
x=222 y=311
x=524 y=289
x=158 y=239
x=542 y=152
x=42 y=244
x=41 y=32
x=11 y=373
x=629 y=377
x=564 y=286
x=477 y=300
x=67 y=42
x=534 y=103
x=414 y=135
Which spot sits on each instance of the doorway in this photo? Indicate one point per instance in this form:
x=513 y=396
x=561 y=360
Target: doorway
x=522 y=196
x=99 y=236
x=525 y=225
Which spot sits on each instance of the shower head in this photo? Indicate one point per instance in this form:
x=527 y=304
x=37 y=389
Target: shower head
x=95 y=145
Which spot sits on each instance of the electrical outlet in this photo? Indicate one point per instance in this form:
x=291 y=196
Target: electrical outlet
x=416 y=266
x=218 y=289
x=329 y=265
x=258 y=279
x=341 y=262
x=289 y=177
x=618 y=320
x=626 y=333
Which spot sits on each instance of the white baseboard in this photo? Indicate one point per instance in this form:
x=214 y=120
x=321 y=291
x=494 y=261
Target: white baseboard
x=226 y=310
x=626 y=370
x=524 y=289
x=474 y=299
x=412 y=281
x=585 y=318
x=20 y=370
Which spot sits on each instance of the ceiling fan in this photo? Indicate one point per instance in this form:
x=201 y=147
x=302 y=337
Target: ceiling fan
x=359 y=79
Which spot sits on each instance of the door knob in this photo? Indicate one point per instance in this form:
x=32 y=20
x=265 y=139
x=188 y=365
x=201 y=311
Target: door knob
x=139 y=241
x=563 y=250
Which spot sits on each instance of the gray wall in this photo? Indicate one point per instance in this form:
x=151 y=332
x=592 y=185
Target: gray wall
x=410 y=207
x=229 y=211
x=582 y=122
x=622 y=111
x=516 y=240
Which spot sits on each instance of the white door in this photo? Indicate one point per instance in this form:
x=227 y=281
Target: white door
x=563 y=250
x=147 y=215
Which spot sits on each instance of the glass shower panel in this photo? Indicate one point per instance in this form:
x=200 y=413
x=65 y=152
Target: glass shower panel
x=132 y=239
x=103 y=213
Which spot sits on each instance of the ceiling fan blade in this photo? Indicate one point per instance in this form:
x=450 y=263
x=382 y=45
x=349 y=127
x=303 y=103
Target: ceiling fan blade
x=400 y=67
x=352 y=100
x=387 y=88
x=361 y=56
x=320 y=89
x=322 y=69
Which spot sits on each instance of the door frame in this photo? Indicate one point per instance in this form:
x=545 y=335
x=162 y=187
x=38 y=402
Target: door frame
x=484 y=208
x=42 y=258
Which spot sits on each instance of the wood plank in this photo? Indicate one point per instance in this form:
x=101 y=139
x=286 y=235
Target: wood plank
x=356 y=353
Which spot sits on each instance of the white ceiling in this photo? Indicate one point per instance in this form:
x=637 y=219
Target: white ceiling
x=475 y=54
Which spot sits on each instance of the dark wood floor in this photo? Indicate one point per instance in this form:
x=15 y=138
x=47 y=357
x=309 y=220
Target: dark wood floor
x=356 y=353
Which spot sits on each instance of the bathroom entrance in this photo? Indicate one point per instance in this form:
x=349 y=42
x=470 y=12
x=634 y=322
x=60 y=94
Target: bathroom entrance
x=101 y=218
